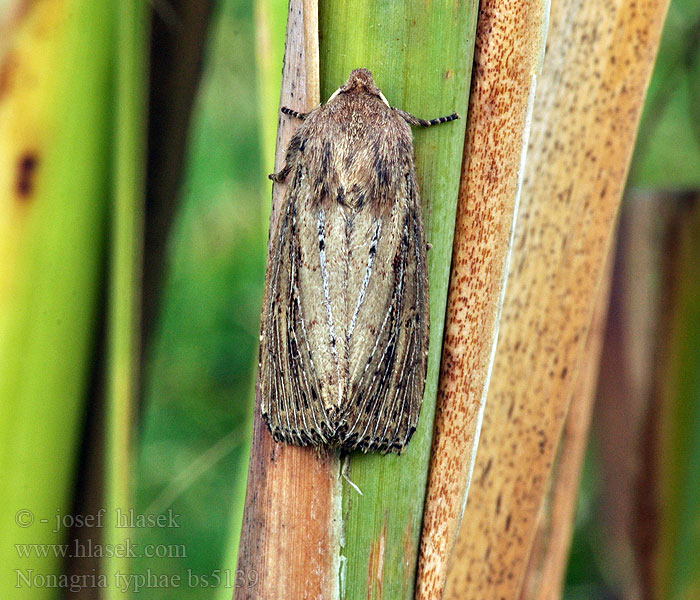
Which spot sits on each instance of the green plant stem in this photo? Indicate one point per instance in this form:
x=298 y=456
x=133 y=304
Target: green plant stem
x=125 y=271
x=420 y=55
x=52 y=249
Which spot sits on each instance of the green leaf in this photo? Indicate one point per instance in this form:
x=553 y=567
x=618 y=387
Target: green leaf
x=51 y=258
x=421 y=56
x=124 y=305
x=667 y=153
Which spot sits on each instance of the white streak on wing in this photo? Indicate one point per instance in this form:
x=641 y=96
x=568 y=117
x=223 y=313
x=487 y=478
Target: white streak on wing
x=313 y=371
x=368 y=273
x=303 y=372
x=286 y=397
x=327 y=295
x=366 y=398
x=394 y=338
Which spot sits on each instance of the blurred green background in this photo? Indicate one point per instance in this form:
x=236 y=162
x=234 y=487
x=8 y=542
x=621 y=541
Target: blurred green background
x=200 y=366
x=201 y=363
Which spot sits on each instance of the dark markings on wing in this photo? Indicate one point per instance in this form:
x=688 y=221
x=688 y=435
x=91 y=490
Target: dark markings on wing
x=384 y=403
x=291 y=398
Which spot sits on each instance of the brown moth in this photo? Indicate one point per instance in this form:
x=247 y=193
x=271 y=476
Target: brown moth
x=346 y=320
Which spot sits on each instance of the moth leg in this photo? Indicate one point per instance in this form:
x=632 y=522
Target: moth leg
x=282 y=175
x=295 y=146
x=294 y=113
x=413 y=120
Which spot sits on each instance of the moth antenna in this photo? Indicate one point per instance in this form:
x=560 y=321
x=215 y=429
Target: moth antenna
x=413 y=120
x=294 y=113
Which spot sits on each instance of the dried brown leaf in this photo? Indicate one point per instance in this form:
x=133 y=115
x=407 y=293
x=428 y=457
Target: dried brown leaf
x=508 y=54
x=589 y=97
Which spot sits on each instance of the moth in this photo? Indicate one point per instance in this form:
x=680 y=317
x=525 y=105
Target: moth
x=346 y=320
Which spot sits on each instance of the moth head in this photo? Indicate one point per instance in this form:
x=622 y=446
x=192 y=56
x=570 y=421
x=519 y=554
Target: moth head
x=360 y=80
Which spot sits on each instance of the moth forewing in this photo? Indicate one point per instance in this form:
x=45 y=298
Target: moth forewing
x=345 y=325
